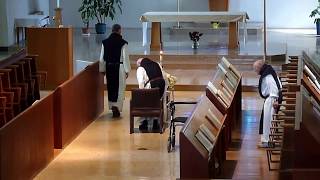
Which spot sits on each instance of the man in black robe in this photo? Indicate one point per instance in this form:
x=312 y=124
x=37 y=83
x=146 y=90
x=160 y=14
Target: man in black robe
x=270 y=90
x=117 y=67
x=149 y=75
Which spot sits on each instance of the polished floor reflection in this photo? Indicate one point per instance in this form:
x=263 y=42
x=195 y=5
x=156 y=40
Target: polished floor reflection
x=106 y=150
x=177 y=42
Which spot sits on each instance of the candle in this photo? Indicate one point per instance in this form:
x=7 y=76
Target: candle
x=161 y=57
x=58 y=3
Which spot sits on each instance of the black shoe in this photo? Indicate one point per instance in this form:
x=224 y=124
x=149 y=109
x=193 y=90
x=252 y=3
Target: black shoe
x=155 y=125
x=115 y=112
x=143 y=126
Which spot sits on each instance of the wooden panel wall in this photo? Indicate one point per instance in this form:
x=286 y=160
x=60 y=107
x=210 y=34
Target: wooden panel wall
x=26 y=143
x=218 y=5
x=55 y=49
x=78 y=102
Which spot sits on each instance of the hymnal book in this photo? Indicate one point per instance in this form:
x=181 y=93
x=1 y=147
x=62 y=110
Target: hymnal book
x=229 y=75
x=226 y=92
x=224 y=71
x=233 y=75
x=231 y=67
x=233 y=80
x=222 y=102
x=223 y=84
x=212 y=88
x=213 y=119
x=227 y=85
x=215 y=91
x=314 y=85
x=228 y=82
x=308 y=71
x=317 y=84
x=226 y=62
x=205 y=130
x=204 y=141
x=223 y=97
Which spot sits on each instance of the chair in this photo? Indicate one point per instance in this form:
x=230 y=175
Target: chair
x=9 y=96
x=12 y=70
x=146 y=103
x=40 y=75
x=6 y=86
x=23 y=78
x=3 y=119
x=32 y=78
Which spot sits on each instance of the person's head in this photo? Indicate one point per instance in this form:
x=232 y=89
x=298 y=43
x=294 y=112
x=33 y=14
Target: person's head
x=139 y=61
x=145 y=61
x=116 y=28
x=257 y=66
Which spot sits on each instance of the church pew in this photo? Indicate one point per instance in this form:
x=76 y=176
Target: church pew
x=9 y=106
x=6 y=86
x=26 y=142
x=78 y=102
x=23 y=78
x=3 y=101
x=32 y=74
x=12 y=69
x=40 y=76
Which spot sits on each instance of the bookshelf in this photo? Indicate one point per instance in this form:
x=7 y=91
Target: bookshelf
x=224 y=91
x=200 y=155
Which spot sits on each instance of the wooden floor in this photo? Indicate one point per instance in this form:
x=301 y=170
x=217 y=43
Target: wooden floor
x=106 y=150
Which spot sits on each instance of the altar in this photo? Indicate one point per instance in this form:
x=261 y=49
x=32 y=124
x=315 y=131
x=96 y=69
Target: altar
x=156 y=18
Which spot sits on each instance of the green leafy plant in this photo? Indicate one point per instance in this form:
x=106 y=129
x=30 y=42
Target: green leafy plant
x=102 y=9
x=316 y=12
x=99 y=9
x=86 y=11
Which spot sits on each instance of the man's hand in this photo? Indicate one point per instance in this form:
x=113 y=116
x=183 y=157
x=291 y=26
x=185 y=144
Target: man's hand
x=275 y=105
x=127 y=75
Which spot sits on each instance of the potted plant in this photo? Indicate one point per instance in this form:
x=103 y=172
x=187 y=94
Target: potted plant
x=195 y=37
x=314 y=13
x=86 y=15
x=102 y=9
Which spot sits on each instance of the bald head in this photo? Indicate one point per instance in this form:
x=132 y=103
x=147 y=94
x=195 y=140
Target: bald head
x=139 y=61
x=257 y=66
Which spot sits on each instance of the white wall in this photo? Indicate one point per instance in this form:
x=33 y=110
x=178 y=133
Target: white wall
x=280 y=13
x=20 y=9
x=295 y=13
x=3 y=23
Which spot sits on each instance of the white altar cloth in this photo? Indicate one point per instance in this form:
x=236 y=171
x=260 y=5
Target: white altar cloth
x=221 y=16
x=210 y=16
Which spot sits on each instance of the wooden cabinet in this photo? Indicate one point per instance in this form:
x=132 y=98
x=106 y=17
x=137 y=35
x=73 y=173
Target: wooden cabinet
x=218 y=5
x=55 y=49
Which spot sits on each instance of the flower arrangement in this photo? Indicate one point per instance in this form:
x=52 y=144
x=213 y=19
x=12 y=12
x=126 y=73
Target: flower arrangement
x=195 y=37
x=172 y=80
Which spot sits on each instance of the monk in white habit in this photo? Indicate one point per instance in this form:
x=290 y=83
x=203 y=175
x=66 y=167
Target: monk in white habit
x=115 y=56
x=270 y=90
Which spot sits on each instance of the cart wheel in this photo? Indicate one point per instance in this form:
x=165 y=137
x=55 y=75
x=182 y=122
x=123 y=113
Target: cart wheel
x=169 y=145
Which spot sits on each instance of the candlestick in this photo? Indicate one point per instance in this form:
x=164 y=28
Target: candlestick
x=161 y=58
